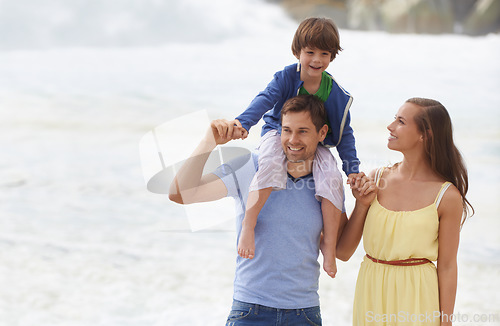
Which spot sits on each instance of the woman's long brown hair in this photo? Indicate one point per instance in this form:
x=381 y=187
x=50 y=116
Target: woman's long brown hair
x=435 y=124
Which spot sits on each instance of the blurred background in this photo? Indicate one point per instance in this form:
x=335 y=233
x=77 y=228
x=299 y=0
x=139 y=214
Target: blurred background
x=82 y=241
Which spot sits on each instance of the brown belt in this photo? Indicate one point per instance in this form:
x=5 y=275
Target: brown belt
x=404 y=262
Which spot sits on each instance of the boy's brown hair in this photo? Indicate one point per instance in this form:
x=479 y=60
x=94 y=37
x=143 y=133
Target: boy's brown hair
x=319 y=33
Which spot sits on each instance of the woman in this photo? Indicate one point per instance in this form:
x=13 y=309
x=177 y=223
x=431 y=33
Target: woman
x=410 y=215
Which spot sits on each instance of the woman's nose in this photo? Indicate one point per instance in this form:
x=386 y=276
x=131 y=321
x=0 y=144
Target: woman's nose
x=389 y=127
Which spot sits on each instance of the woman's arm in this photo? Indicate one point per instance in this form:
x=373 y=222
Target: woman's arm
x=364 y=190
x=450 y=215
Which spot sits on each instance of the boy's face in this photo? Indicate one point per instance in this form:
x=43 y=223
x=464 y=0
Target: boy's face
x=299 y=137
x=313 y=62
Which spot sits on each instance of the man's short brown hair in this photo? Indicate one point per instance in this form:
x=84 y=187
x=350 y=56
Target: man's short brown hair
x=307 y=103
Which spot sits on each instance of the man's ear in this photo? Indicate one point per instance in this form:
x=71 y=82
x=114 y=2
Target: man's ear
x=322 y=132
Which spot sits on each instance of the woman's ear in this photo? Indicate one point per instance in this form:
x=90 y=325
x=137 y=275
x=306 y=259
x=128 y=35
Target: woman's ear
x=428 y=135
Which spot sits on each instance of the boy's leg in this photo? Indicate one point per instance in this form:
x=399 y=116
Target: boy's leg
x=331 y=221
x=270 y=176
x=330 y=191
x=255 y=202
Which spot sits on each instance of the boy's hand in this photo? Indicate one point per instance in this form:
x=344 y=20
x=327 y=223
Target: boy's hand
x=351 y=177
x=244 y=132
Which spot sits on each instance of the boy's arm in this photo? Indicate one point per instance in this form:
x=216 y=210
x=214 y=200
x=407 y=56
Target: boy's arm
x=263 y=102
x=347 y=149
x=190 y=185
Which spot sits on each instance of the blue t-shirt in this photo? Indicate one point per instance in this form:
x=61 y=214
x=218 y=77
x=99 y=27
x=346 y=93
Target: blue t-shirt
x=285 y=271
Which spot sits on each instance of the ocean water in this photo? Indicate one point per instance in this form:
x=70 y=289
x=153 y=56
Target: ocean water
x=83 y=242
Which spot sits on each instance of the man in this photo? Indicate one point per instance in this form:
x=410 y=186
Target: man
x=280 y=285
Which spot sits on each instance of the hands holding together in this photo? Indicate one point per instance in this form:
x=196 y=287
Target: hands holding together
x=363 y=188
x=223 y=130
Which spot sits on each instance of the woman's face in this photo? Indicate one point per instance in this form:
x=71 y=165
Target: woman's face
x=404 y=134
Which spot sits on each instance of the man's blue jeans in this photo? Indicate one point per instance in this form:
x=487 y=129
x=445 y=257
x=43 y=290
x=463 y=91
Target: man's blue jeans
x=249 y=314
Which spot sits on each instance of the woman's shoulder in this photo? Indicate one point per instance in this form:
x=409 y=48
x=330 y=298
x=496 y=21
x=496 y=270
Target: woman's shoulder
x=450 y=209
x=451 y=195
x=382 y=171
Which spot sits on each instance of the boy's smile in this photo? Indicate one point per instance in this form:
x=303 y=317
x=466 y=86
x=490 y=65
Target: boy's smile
x=313 y=62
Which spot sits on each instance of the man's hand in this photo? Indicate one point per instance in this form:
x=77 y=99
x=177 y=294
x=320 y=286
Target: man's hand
x=223 y=130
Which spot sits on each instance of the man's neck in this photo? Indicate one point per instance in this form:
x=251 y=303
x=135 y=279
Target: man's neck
x=299 y=169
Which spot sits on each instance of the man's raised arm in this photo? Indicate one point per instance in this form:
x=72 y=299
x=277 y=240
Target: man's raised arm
x=190 y=185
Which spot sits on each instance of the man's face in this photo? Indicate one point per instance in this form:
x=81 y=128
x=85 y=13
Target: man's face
x=299 y=137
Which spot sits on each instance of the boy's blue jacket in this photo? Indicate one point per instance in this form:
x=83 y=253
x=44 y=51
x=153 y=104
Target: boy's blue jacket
x=286 y=84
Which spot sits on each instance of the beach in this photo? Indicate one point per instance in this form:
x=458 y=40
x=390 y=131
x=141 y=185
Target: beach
x=82 y=240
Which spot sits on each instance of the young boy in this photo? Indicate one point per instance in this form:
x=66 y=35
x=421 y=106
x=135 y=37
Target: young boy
x=315 y=45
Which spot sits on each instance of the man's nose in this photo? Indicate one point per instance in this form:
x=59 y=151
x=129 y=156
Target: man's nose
x=293 y=138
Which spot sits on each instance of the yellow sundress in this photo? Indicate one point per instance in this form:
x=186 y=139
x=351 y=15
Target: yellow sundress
x=399 y=295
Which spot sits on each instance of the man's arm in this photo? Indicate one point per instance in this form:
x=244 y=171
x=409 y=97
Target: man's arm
x=190 y=185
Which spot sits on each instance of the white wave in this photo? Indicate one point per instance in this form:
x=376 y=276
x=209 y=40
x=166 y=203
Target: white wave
x=34 y=24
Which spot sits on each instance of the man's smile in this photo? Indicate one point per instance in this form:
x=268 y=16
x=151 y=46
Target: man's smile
x=295 y=149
